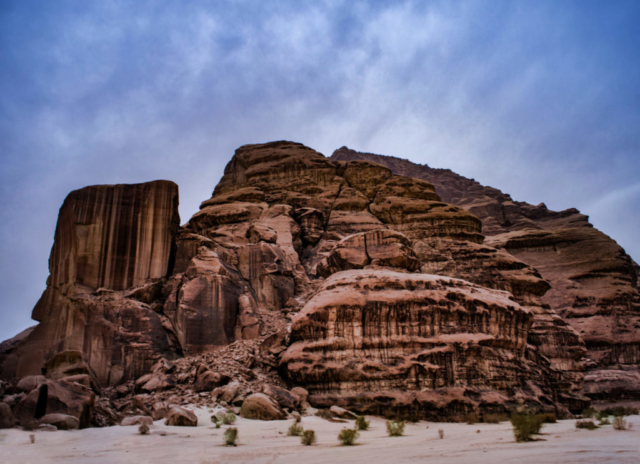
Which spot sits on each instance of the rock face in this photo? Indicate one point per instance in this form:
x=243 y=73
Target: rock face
x=593 y=283
x=416 y=290
x=108 y=238
x=377 y=330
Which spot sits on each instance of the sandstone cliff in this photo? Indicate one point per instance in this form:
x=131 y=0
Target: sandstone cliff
x=403 y=287
x=593 y=282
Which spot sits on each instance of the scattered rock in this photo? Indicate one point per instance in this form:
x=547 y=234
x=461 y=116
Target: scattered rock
x=260 y=406
x=181 y=417
x=61 y=421
x=136 y=420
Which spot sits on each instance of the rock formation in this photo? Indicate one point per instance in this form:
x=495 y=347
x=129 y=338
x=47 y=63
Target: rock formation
x=412 y=289
x=593 y=282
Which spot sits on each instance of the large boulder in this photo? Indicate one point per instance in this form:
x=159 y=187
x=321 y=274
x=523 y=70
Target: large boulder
x=7 y=419
x=260 y=406
x=208 y=380
x=56 y=396
x=61 y=421
x=181 y=417
x=282 y=396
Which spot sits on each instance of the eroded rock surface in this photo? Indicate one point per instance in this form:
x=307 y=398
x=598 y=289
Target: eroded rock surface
x=416 y=290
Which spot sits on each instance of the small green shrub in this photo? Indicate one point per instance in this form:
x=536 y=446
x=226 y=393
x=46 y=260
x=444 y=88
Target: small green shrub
x=525 y=425
x=619 y=423
x=620 y=411
x=308 y=437
x=589 y=413
x=143 y=429
x=495 y=418
x=348 y=436
x=362 y=423
x=230 y=436
x=325 y=414
x=586 y=424
x=295 y=430
x=229 y=418
x=395 y=428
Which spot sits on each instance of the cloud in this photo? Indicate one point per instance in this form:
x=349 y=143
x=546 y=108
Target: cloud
x=538 y=99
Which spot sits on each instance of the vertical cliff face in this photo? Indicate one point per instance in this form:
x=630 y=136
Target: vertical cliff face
x=108 y=238
x=593 y=282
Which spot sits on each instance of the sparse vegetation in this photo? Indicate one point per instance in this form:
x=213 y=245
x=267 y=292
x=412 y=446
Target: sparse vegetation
x=325 y=414
x=32 y=437
x=586 y=424
x=620 y=424
x=229 y=418
x=620 y=411
x=308 y=437
x=143 y=429
x=603 y=418
x=362 y=423
x=230 y=436
x=441 y=433
x=589 y=413
x=348 y=436
x=395 y=428
x=472 y=418
x=295 y=430
x=525 y=425
x=495 y=418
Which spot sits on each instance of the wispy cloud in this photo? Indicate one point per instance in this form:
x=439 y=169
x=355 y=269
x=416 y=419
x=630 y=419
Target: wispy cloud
x=539 y=99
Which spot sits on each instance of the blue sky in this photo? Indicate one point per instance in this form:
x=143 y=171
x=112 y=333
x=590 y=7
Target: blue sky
x=540 y=99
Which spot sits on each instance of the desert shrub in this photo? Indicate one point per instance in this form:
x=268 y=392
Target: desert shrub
x=308 y=437
x=143 y=429
x=549 y=418
x=525 y=425
x=586 y=424
x=229 y=418
x=362 y=423
x=32 y=438
x=230 y=436
x=589 y=413
x=495 y=418
x=395 y=428
x=441 y=433
x=295 y=430
x=348 y=436
x=325 y=414
x=620 y=411
x=472 y=418
x=619 y=423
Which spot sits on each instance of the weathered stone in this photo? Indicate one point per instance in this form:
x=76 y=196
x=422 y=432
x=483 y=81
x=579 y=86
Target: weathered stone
x=208 y=380
x=7 y=420
x=261 y=407
x=282 y=396
x=56 y=397
x=342 y=413
x=181 y=417
x=61 y=421
x=136 y=420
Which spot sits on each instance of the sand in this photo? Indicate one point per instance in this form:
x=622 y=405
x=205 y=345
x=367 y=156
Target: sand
x=267 y=442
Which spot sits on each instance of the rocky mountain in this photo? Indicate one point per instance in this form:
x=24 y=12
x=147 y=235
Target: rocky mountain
x=373 y=283
x=593 y=282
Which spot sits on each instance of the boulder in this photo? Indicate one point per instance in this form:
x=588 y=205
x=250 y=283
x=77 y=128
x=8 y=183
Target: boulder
x=207 y=381
x=30 y=382
x=260 y=406
x=301 y=393
x=136 y=420
x=7 y=420
x=160 y=410
x=226 y=393
x=342 y=413
x=56 y=397
x=181 y=417
x=282 y=396
x=61 y=421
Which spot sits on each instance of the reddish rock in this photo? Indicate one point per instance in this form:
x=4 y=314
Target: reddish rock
x=61 y=421
x=261 y=407
x=181 y=417
x=7 y=419
x=282 y=396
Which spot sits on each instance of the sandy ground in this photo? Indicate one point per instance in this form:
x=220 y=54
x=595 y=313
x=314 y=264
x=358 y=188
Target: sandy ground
x=267 y=442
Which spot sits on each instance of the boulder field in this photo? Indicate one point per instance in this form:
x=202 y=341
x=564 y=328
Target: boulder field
x=367 y=282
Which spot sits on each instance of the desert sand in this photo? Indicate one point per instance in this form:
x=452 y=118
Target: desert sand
x=267 y=442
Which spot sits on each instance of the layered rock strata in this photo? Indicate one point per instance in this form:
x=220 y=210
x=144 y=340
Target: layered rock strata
x=593 y=282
